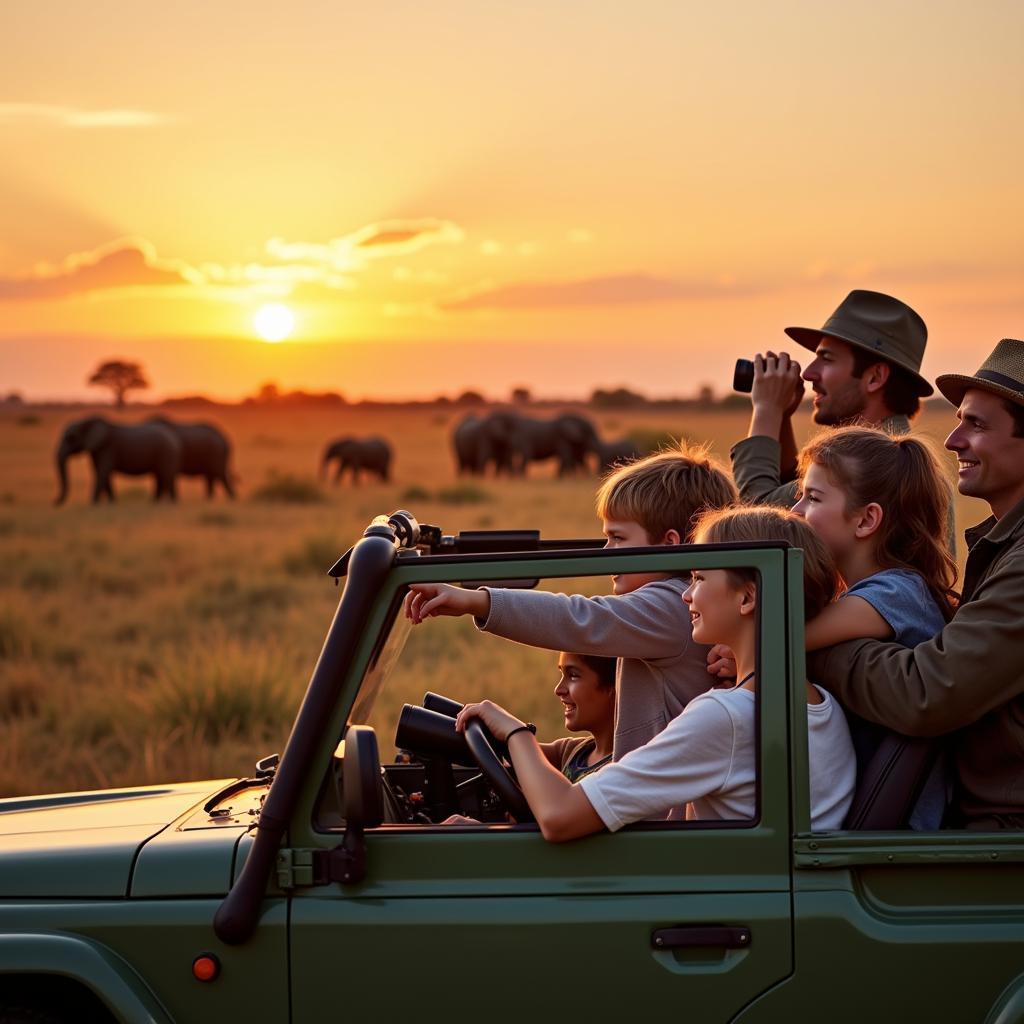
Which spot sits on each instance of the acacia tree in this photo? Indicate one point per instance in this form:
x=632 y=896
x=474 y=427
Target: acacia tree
x=121 y=377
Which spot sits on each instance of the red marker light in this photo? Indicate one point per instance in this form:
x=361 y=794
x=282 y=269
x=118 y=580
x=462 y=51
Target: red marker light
x=205 y=967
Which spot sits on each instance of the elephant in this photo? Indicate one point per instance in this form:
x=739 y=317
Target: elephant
x=475 y=450
x=570 y=438
x=205 y=452
x=613 y=453
x=136 y=450
x=468 y=443
x=355 y=453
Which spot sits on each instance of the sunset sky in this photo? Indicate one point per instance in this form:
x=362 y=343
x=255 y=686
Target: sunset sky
x=560 y=194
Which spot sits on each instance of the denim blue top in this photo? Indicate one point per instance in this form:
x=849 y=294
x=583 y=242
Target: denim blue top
x=903 y=599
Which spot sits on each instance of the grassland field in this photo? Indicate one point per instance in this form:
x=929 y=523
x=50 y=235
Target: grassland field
x=144 y=642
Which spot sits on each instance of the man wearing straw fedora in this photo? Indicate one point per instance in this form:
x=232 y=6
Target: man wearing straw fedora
x=866 y=368
x=968 y=680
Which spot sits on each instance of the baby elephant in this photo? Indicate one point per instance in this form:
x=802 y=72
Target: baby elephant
x=372 y=454
x=139 y=449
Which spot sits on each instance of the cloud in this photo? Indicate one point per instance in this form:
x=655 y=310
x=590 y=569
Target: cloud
x=611 y=290
x=293 y=268
x=124 y=263
x=385 y=238
x=72 y=117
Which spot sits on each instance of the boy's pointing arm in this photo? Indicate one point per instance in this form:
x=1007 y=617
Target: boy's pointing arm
x=649 y=623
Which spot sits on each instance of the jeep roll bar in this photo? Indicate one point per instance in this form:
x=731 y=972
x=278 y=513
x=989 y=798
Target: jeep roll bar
x=373 y=556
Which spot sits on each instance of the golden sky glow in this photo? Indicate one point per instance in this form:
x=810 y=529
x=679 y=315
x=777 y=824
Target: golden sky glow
x=561 y=195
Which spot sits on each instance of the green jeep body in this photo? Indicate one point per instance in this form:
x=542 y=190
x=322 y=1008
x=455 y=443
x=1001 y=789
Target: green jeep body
x=107 y=898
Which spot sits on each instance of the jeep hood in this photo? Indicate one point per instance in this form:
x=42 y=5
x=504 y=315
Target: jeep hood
x=84 y=844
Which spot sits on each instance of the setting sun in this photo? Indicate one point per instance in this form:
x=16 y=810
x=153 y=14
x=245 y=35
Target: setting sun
x=274 y=322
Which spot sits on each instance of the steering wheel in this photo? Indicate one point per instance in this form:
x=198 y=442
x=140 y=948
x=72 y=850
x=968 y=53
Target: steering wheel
x=481 y=746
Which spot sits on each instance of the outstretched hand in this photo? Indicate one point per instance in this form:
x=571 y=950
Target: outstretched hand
x=499 y=722
x=426 y=600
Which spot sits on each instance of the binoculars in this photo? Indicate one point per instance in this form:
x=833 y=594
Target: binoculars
x=743 y=376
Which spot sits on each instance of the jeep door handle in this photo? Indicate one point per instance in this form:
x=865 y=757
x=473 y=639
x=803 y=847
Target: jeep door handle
x=701 y=935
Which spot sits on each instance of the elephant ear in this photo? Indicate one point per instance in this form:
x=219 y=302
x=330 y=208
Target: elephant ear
x=95 y=435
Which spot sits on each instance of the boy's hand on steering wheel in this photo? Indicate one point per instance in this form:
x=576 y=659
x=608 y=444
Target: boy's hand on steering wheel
x=498 y=721
x=426 y=600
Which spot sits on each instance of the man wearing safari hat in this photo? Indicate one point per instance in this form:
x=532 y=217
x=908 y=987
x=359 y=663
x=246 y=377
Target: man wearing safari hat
x=866 y=368
x=969 y=679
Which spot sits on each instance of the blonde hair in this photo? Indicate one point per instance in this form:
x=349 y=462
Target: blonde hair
x=822 y=584
x=666 y=491
x=903 y=475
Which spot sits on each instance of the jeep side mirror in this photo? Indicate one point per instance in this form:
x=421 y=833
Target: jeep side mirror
x=361 y=785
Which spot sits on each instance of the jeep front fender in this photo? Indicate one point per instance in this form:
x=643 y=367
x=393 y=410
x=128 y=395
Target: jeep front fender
x=98 y=968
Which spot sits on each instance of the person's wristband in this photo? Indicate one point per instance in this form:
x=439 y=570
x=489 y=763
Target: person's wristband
x=529 y=727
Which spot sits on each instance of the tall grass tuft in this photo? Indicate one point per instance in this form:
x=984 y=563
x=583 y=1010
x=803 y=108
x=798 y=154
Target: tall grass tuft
x=228 y=692
x=288 y=489
x=315 y=555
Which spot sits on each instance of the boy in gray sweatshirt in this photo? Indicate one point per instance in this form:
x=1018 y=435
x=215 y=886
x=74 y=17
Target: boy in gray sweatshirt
x=644 y=622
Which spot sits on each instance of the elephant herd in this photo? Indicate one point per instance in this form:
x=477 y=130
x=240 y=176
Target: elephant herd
x=159 y=447
x=503 y=441
x=165 y=449
x=508 y=442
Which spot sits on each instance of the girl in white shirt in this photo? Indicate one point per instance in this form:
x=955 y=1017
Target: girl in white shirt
x=705 y=759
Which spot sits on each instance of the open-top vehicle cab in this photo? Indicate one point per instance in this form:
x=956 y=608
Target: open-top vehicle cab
x=327 y=882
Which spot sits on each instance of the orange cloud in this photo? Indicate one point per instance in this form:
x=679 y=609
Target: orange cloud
x=610 y=290
x=124 y=263
x=385 y=238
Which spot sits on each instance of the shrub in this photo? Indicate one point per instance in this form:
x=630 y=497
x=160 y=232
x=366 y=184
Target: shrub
x=415 y=493
x=288 y=489
x=215 y=517
x=651 y=439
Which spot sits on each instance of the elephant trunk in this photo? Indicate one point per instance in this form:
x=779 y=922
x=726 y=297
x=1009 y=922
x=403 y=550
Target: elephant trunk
x=62 y=475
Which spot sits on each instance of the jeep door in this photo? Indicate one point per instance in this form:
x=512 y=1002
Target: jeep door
x=694 y=916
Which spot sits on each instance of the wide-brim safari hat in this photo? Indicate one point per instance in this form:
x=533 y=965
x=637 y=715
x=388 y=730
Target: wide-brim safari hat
x=1002 y=374
x=878 y=324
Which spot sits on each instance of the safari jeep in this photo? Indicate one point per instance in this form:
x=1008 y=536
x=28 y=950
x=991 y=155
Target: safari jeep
x=325 y=887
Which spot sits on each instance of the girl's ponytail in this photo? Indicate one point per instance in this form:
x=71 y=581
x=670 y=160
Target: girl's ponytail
x=918 y=537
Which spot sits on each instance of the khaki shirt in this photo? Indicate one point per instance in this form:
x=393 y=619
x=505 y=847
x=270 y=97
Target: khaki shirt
x=968 y=680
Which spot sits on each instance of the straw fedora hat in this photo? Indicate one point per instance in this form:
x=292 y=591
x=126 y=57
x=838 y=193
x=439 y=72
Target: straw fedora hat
x=878 y=324
x=1002 y=374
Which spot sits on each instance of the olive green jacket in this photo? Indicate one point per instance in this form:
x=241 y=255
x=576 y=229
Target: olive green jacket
x=756 y=467
x=968 y=680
